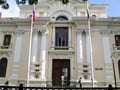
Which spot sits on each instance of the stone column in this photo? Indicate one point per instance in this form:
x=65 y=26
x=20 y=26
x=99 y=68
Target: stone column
x=107 y=56
x=43 y=55
x=87 y=62
x=34 y=46
x=49 y=79
x=17 y=53
x=70 y=35
x=79 y=52
x=34 y=72
x=87 y=47
x=53 y=37
x=79 y=46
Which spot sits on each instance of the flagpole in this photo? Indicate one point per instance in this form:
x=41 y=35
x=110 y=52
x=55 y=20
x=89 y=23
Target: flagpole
x=91 y=55
x=30 y=47
x=90 y=42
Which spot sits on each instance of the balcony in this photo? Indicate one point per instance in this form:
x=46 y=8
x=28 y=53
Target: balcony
x=61 y=51
x=5 y=49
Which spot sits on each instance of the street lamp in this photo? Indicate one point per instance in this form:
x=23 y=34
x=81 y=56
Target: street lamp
x=113 y=58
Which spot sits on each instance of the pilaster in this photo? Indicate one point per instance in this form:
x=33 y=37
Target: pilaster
x=34 y=46
x=107 y=56
x=43 y=55
x=17 y=53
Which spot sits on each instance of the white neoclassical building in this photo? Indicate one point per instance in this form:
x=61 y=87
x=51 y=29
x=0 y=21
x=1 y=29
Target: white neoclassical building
x=61 y=46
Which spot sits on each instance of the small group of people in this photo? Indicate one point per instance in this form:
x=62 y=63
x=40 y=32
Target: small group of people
x=20 y=85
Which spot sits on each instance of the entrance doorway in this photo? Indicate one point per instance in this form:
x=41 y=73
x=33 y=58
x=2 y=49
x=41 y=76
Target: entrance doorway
x=61 y=68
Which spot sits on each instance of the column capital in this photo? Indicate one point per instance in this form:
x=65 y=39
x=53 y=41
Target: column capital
x=105 y=31
x=81 y=30
x=36 y=29
x=19 y=31
x=43 y=30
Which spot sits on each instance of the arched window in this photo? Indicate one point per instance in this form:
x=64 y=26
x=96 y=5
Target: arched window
x=3 y=67
x=119 y=67
x=61 y=18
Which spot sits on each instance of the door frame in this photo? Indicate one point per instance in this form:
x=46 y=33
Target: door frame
x=56 y=74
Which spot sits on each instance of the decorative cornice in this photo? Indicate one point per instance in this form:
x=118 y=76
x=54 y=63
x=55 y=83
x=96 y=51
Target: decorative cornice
x=23 y=21
x=45 y=20
x=7 y=31
x=113 y=21
x=19 y=31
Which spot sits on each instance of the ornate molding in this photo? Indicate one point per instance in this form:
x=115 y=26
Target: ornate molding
x=43 y=31
x=61 y=53
x=24 y=21
x=97 y=21
x=105 y=32
x=7 y=31
x=19 y=31
x=81 y=30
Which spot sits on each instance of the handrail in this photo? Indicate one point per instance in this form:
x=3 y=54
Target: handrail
x=58 y=88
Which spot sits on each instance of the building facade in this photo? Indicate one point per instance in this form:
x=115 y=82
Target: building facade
x=60 y=45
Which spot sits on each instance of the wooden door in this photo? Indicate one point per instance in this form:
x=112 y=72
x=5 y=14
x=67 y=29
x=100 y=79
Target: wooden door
x=57 y=71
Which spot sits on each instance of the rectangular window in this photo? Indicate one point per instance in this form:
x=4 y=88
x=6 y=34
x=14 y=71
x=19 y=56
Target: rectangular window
x=82 y=13
x=41 y=13
x=61 y=37
x=117 y=41
x=7 y=40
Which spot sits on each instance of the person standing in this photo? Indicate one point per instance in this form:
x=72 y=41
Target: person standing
x=62 y=79
x=21 y=86
x=6 y=83
x=80 y=82
x=110 y=87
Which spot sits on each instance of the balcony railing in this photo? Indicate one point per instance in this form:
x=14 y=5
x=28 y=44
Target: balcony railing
x=5 y=48
x=61 y=47
x=56 y=88
x=61 y=50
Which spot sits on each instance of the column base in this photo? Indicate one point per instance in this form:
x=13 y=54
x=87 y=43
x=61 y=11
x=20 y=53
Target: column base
x=38 y=82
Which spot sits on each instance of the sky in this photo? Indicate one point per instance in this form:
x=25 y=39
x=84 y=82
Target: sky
x=112 y=11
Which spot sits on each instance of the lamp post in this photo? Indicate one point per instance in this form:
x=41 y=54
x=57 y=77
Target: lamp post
x=113 y=58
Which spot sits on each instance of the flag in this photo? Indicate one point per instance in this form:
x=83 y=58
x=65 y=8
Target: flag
x=0 y=14
x=34 y=15
x=88 y=15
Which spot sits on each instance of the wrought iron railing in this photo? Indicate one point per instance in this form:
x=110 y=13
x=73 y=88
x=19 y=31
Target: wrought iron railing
x=56 y=88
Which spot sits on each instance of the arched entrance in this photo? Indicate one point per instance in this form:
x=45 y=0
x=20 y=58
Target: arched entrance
x=3 y=67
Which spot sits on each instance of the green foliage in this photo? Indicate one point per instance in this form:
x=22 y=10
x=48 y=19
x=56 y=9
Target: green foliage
x=65 y=1
x=21 y=2
x=4 y=4
x=85 y=0
x=2 y=1
x=17 y=2
x=31 y=2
